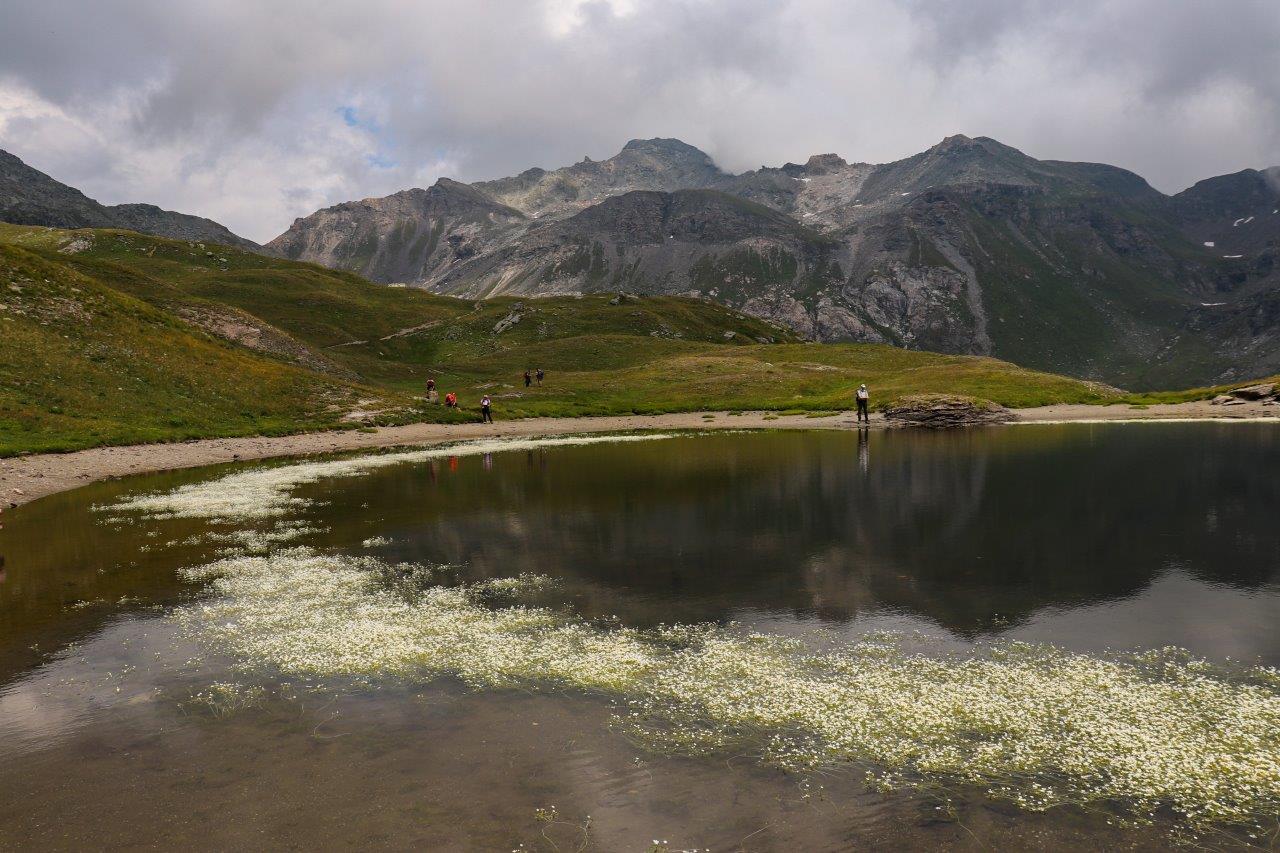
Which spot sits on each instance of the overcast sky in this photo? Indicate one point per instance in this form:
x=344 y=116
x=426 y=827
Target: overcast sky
x=253 y=112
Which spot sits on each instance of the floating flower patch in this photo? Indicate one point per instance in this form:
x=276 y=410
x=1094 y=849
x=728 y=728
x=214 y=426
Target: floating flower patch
x=1035 y=724
x=260 y=493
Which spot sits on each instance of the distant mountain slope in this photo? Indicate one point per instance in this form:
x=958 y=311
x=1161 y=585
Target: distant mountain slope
x=970 y=247
x=406 y=237
x=30 y=197
x=109 y=337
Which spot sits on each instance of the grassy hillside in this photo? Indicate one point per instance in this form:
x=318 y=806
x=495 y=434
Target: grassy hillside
x=111 y=337
x=83 y=364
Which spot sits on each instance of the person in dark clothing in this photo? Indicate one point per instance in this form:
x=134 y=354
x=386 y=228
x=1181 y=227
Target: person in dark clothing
x=486 y=410
x=528 y=380
x=863 y=397
x=540 y=375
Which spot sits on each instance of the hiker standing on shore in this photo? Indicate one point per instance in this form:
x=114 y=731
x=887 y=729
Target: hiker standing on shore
x=528 y=379
x=486 y=410
x=863 y=397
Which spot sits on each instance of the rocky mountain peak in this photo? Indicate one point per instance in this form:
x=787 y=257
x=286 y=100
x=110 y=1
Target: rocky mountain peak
x=964 y=147
x=822 y=164
x=665 y=156
x=657 y=164
x=664 y=146
x=955 y=142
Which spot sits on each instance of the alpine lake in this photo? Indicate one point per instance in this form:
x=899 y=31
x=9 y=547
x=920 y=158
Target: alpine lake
x=1018 y=637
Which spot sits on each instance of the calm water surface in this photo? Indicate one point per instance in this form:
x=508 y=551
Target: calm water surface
x=1094 y=538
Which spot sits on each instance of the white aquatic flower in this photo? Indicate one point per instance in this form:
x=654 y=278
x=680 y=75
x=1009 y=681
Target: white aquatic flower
x=1035 y=724
x=267 y=492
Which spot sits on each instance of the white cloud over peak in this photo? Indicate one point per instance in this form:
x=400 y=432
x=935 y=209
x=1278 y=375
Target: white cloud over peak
x=254 y=113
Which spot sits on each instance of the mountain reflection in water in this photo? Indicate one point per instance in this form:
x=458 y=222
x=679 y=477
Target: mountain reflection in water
x=976 y=531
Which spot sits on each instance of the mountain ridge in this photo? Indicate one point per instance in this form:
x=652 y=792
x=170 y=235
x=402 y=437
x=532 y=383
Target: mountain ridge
x=970 y=246
x=30 y=197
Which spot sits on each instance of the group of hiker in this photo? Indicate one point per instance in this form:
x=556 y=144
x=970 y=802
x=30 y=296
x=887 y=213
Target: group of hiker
x=486 y=402
x=861 y=397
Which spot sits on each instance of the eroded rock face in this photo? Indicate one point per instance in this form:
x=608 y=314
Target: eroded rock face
x=941 y=411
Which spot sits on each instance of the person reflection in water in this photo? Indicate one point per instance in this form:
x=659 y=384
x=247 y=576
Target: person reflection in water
x=864 y=451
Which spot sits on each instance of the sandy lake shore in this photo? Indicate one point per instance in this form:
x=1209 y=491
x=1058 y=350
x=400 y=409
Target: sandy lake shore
x=26 y=478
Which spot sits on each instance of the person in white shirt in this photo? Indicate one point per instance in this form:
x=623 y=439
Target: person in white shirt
x=863 y=396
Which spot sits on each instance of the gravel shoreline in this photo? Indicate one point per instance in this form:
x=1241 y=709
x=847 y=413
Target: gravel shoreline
x=26 y=478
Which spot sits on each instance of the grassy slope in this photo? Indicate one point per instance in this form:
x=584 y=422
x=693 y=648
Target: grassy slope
x=111 y=362
x=82 y=364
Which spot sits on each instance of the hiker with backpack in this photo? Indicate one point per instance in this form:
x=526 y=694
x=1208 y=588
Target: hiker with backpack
x=486 y=410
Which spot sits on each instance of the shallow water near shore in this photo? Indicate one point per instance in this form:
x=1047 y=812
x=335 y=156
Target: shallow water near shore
x=120 y=725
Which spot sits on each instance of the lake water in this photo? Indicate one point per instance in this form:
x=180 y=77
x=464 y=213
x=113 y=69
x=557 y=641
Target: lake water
x=121 y=725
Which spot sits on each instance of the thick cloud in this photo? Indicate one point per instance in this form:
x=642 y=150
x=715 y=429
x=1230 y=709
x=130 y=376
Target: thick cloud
x=253 y=113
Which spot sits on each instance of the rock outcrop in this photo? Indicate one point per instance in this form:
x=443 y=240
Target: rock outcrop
x=1261 y=391
x=942 y=411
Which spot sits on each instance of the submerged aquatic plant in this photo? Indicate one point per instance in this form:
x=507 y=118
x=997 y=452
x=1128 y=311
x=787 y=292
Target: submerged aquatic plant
x=267 y=492
x=249 y=540
x=224 y=698
x=1035 y=724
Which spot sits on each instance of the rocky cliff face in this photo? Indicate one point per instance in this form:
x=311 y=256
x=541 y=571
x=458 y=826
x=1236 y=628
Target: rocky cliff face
x=30 y=197
x=969 y=247
x=412 y=236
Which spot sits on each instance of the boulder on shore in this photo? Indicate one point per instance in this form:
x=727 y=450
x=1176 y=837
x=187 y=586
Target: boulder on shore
x=940 y=411
x=1261 y=391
